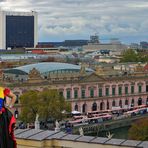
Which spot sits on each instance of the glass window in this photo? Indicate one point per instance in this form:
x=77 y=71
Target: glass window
x=100 y=92
x=132 y=89
x=91 y=93
x=83 y=93
x=126 y=90
x=114 y=103
x=94 y=106
x=19 y=31
x=76 y=107
x=113 y=91
x=146 y=88
x=120 y=90
x=107 y=91
x=126 y=102
x=75 y=93
x=139 y=88
x=68 y=94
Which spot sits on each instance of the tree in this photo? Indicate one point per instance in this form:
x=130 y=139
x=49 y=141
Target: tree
x=129 y=56
x=30 y=106
x=47 y=103
x=139 y=130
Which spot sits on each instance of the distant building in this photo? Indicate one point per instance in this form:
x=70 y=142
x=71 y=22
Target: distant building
x=94 y=44
x=86 y=91
x=134 y=46
x=18 y=29
x=66 y=43
x=144 y=45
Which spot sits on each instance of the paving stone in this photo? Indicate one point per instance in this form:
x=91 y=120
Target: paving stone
x=100 y=140
x=70 y=137
x=115 y=141
x=85 y=138
x=28 y=133
x=18 y=131
x=144 y=144
x=42 y=135
x=130 y=143
x=57 y=135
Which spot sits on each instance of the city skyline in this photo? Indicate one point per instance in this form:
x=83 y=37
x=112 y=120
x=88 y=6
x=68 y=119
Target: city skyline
x=60 y=20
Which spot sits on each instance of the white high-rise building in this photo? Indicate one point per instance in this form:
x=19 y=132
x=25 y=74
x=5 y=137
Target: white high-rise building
x=18 y=29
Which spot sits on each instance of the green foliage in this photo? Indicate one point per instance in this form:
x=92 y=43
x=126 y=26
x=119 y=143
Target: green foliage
x=48 y=104
x=139 y=130
x=131 y=55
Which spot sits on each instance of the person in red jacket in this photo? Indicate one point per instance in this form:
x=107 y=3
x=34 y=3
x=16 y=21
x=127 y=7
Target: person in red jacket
x=7 y=121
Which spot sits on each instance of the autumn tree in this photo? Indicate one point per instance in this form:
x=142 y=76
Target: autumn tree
x=139 y=130
x=47 y=103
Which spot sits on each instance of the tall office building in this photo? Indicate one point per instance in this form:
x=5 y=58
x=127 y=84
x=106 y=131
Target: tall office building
x=18 y=29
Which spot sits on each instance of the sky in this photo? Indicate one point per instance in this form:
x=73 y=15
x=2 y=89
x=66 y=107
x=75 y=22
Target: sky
x=60 y=20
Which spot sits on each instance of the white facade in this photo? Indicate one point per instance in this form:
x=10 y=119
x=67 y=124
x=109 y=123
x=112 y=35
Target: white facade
x=3 y=15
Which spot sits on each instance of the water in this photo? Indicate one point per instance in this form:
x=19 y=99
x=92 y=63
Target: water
x=119 y=133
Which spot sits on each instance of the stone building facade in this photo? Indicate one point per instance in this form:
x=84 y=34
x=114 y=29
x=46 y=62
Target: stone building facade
x=94 y=92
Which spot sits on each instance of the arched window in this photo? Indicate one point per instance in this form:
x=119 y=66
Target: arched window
x=126 y=102
x=94 y=106
x=84 y=108
x=132 y=103
x=113 y=103
x=120 y=103
x=102 y=106
x=140 y=101
x=107 y=105
x=76 y=107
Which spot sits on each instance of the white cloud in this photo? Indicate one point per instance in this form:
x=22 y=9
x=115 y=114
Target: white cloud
x=80 y=18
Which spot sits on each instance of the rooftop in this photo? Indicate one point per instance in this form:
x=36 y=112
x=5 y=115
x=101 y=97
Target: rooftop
x=46 y=67
x=40 y=135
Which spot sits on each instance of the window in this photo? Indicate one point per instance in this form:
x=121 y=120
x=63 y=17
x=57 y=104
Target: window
x=120 y=90
x=146 y=88
x=126 y=102
x=139 y=88
x=132 y=89
x=100 y=92
x=76 y=107
x=75 y=93
x=114 y=103
x=83 y=93
x=94 y=106
x=132 y=103
x=107 y=91
x=68 y=94
x=91 y=93
x=120 y=103
x=113 y=91
x=126 y=90
x=107 y=105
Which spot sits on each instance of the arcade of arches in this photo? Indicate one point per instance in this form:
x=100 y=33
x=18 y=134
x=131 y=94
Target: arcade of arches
x=109 y=104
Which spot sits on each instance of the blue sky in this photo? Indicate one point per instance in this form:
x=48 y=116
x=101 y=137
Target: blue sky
x=78 y=19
